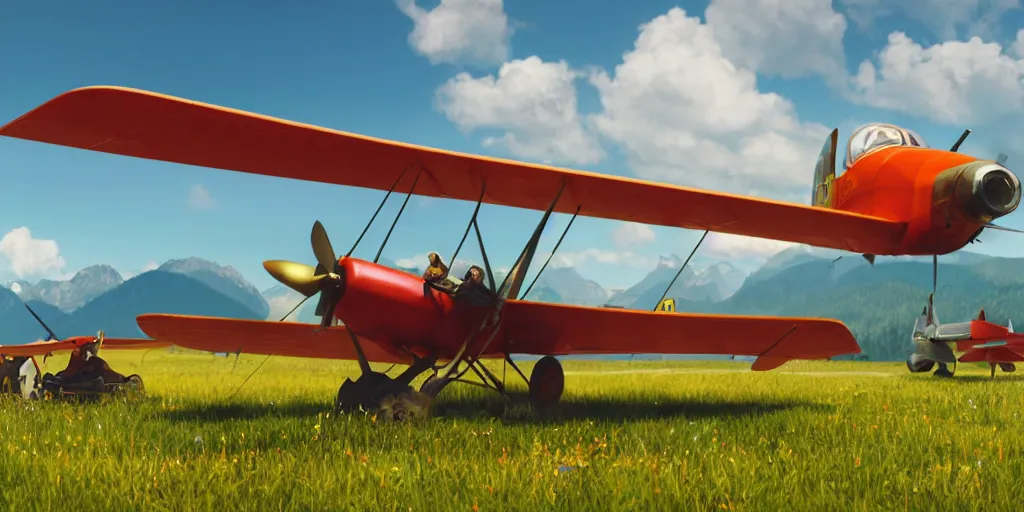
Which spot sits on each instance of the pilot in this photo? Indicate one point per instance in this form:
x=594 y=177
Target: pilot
x=437 y=274
x=473 y=290
x=437 y=270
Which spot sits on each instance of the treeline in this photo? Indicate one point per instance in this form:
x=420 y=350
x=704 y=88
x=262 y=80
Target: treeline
x=880 y=304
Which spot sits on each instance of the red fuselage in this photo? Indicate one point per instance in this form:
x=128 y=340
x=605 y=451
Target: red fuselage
x=394 y=307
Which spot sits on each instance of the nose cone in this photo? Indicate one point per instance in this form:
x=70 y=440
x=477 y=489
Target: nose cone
x=986 y=190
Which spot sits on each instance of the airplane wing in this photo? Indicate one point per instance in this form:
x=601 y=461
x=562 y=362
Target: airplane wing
x=120 y=343
x=229 y=335
x=553 y=329
x=154 y=126
x=37 y=348
x=994 y=354
x=132 y=344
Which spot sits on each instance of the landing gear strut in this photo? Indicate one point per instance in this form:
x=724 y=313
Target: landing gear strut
x=944 y=371
x=392 y=396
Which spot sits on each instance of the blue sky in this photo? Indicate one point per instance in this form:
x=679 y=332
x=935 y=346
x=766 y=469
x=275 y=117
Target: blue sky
x=354 y=66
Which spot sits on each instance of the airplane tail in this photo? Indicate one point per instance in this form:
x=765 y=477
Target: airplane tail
x=825 y=172
x=929 y=339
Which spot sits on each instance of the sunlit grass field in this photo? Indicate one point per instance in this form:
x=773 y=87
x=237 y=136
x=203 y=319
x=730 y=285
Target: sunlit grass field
x=684 y=436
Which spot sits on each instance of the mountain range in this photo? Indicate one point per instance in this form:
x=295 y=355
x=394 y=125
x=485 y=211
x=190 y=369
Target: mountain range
x=879 y=303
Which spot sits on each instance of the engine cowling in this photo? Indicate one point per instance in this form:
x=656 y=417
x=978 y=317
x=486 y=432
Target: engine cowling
x=917 y=363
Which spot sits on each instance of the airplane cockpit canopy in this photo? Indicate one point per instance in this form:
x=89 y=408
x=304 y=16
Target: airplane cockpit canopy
x=873 y=136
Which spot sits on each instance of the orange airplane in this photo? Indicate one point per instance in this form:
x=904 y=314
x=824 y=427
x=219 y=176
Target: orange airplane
x=896 y=197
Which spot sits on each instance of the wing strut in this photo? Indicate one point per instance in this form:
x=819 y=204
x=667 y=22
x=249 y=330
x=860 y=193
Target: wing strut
x=469 y=226
x=681 y=267
x=514 y=280
x=765 y=361
x=558 y=243
x=479 y=238
x=381 y=205
x=483 y=254
x=42 y=323
x=398 y=216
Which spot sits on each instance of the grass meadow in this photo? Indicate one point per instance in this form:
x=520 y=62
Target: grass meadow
x=628 y=436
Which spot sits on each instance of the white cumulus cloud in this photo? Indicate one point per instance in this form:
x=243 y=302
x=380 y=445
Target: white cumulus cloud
x=563 y=259
x=631 y=234
x=687 y=114
x=788 y=38
x=946 y=18
x=199 y=198
x=955 y=82
x=728 y=246
x=150 y=265
x=29 y=256
x=460 y=31
x=532 y=102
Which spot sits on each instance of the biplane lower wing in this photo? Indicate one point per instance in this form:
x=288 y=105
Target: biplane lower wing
x=230 y=335
x=997 y=354
x=143 y=124
x=538 y=328
x=39 y=348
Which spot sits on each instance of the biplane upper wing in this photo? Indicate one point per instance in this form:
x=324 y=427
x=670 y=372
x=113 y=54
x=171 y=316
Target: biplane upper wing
x=148 y=125
x=230 y=335
x=538 y=328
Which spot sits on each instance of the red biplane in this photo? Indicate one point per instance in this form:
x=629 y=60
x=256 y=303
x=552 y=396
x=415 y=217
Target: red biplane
x=897 y=197
x=86 y=374
x=979 y=341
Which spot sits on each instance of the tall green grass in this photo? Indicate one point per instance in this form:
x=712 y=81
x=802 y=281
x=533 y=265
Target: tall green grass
x=628 y=436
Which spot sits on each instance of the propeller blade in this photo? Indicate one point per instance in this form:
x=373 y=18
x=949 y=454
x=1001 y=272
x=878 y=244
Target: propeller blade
x=322 y=248
x=1001 y=228
x=298 y=277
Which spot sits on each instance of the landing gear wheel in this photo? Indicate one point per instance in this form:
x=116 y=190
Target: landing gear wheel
x=943 y=370
x=133 y=385
x=367 y=392
x=404 y=406
x=547 y=381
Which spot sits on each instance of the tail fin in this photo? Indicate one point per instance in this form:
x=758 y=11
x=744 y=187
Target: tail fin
x=825 y=172
x=1009 y=325
x=981 y=314
x=927 y=318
